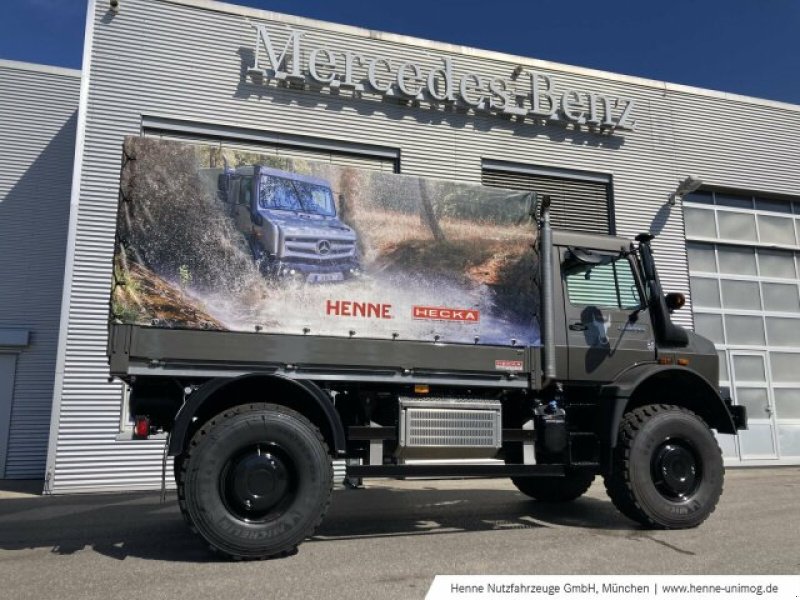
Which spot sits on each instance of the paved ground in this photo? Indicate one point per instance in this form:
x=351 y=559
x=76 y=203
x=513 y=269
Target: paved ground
x=387 y=541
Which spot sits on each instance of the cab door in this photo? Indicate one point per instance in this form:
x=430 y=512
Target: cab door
x=243 y=210
x=608 y=326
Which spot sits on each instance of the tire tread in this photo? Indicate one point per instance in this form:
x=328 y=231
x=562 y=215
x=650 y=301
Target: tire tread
x=203 y=431
x=618 y=484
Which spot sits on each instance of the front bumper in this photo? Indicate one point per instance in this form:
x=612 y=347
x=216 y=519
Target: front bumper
x=348 y=266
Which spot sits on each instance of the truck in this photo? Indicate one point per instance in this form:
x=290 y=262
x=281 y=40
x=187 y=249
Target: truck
x=290 y=222
x=550 y=358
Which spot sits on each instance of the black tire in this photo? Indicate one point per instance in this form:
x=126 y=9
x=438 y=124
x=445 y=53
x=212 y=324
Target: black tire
x=255 y=481
x=555 y=489
x=177 y=467
x=667 y=470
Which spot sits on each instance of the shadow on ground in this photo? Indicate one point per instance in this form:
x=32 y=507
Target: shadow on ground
x=139 y=525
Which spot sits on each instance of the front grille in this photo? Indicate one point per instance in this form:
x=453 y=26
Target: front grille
x=309 y=249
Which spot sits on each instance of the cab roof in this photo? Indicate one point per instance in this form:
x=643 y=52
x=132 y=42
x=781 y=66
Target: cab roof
x=609 y=243
x=265 y=170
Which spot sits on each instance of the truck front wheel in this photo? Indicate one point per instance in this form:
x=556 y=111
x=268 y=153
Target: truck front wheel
x=667 y=470
x=555 y=489
x=256 y=481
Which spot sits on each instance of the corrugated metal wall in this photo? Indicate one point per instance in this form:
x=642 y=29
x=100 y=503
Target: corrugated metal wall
x=38 y=108
x=174 y=59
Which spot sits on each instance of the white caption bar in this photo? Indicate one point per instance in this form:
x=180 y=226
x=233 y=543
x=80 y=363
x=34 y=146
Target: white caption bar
x=630 y=587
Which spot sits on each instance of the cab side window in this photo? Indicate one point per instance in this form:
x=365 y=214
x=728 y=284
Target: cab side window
x=611 y=285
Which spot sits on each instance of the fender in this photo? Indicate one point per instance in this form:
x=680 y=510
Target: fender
x=698 y=395
x=307 y=389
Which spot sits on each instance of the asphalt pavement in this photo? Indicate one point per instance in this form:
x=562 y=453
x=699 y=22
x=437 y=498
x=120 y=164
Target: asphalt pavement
x=386 y=541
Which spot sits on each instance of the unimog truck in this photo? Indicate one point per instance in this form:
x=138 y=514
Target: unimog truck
x=290 y=223
x=602 y=384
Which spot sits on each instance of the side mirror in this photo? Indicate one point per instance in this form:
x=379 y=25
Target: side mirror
x=675 y=301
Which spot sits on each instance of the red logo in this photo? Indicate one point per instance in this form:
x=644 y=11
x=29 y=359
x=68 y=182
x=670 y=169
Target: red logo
x=508 y=365
x=441 y=313
x=367 y=310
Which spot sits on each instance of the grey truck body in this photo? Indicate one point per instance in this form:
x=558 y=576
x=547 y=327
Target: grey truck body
x=610 y=386
x=162 y=362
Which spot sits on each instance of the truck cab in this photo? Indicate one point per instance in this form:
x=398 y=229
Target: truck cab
x=291 y=223
x=614 y=313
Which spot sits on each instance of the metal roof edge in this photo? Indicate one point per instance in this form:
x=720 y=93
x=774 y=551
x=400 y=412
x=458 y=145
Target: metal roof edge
x=50 y=69
x=256 y=13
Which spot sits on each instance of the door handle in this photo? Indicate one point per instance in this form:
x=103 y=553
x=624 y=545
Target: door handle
x=577 y=327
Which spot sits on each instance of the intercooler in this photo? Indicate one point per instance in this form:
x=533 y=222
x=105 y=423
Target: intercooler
x=444 y=428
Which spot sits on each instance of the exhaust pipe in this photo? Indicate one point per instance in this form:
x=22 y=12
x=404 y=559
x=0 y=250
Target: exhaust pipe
x=548 y=313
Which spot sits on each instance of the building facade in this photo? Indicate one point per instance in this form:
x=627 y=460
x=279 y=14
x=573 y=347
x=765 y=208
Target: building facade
x=612 y=150
x=38 y=116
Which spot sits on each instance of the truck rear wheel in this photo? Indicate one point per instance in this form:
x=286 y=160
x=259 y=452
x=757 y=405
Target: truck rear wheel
x=667 y=470
x=256 y=481
x=555 y=489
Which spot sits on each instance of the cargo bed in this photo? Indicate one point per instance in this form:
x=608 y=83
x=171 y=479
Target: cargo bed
x=139 y=350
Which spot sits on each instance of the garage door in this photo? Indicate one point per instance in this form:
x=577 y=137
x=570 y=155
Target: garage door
x=744 y=265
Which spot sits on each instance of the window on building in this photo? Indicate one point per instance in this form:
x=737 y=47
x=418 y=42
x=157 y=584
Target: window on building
x=744 y=267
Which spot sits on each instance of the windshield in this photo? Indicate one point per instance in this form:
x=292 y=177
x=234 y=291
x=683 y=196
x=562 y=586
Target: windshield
x=299 y=196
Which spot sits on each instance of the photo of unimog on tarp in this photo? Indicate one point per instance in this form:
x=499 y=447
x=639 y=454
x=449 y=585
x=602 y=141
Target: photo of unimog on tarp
x=210 y=237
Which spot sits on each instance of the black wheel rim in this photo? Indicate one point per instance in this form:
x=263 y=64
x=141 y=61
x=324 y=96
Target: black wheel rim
x=258 y=483
x=676 y=469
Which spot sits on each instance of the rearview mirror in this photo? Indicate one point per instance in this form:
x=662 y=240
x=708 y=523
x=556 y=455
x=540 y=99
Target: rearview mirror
x=675 y=301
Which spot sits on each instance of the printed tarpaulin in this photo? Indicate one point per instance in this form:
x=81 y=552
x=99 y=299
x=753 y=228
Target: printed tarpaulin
x=211 y=238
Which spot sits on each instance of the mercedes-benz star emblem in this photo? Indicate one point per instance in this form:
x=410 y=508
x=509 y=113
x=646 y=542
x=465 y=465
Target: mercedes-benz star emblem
x=323 y=247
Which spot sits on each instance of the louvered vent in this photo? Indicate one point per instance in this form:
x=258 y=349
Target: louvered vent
x=576 y=205
x=452 y=427
x=274 y=144
x=448 y=427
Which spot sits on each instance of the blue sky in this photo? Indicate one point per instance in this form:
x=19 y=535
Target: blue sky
x=748 y=47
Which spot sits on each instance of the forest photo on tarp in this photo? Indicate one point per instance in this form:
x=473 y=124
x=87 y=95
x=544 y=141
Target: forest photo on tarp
x=211 y=237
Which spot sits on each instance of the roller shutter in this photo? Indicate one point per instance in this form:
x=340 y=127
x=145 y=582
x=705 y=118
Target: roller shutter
x=577 y=204
x=375 y=158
